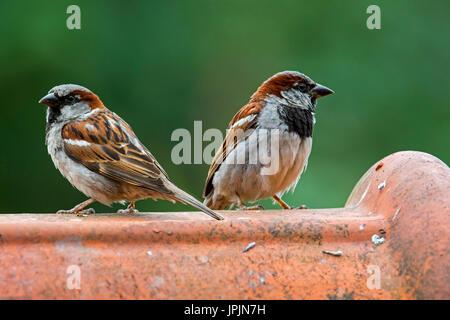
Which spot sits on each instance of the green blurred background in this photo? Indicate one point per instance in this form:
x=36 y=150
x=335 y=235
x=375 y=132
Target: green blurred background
x=162 y=65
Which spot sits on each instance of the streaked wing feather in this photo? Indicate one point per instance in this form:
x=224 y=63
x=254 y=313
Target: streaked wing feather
x=105 y=144
x=239 y=130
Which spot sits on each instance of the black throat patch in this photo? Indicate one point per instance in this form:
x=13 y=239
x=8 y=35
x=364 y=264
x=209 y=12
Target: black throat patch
x=300 y=121
x=53 y=115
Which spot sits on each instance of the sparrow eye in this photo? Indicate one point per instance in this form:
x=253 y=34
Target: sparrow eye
x=70 y=99
x=301 y=86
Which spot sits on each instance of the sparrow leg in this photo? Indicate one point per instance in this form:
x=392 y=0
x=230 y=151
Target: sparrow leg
x=283 y=204
x=130 y=209
x=257 y=207
x=79 y=209
x=241 y=206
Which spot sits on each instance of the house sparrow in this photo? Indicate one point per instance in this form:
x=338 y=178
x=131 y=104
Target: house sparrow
x=281 y=111
x=101 y=156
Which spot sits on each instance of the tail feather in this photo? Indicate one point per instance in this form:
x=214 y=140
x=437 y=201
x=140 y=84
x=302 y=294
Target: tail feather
x=186 y=198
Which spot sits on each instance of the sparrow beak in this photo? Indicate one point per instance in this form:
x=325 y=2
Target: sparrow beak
x=320 y=91
x=50 y=100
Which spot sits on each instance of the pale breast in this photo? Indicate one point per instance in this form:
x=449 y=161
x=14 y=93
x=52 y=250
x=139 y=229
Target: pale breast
x=299 y=150
x=248 y=174
x=286 y=165
x=90 y=183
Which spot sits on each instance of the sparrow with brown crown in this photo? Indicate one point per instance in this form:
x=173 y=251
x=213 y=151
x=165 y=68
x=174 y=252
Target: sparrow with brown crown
x=283 y=109
x=101 y=156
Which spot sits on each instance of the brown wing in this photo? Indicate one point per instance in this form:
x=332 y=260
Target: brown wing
x=106 y=144
x=240 y=127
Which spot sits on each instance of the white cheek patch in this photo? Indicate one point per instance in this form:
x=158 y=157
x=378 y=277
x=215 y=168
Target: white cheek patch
x=73 y=111
x=297 y=98
x=79 y=143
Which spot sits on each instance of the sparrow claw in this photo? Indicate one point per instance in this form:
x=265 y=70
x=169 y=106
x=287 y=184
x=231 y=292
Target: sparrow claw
x=77 y=212
x=257 y=207
x=128 y=211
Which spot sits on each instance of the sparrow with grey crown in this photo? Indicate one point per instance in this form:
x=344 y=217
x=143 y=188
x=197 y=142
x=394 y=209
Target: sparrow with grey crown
x=101 y=156
x=283 y=106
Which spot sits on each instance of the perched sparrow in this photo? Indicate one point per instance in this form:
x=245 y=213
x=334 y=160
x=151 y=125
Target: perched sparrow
x=101 y=156
x=280 y=113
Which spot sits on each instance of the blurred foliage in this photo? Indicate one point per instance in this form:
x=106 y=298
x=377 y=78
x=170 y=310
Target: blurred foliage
x=162 y=65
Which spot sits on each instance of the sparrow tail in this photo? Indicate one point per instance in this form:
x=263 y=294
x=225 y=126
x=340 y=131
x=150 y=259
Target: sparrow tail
x=186 y=198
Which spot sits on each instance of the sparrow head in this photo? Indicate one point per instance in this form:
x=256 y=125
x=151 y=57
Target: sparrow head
x=295 y=87
x=69 y=101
